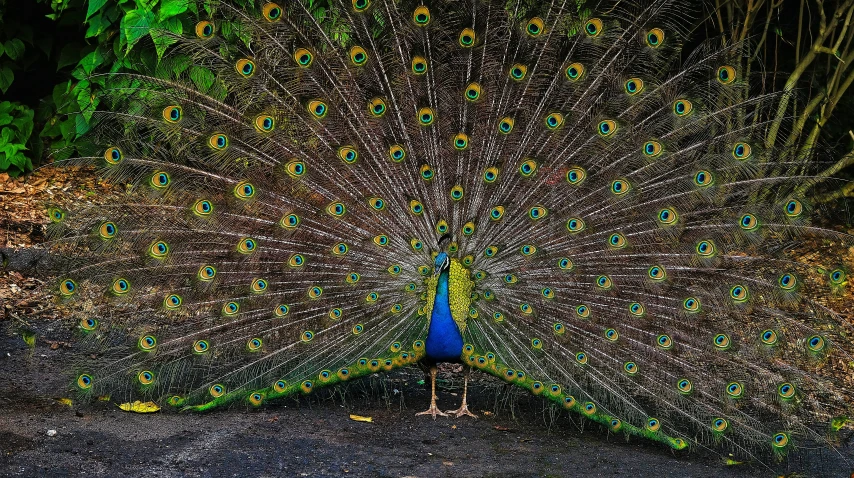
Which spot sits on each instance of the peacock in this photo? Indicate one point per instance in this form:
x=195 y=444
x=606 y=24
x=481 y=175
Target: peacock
x=552 y=193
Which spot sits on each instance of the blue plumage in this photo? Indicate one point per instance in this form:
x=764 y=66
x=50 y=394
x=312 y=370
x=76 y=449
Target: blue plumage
x=444 y=342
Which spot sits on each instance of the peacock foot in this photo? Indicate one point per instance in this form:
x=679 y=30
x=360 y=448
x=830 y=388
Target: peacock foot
x=463 y=410
x=433 y=410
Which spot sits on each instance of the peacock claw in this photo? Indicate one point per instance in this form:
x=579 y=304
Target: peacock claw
x=463 y=410
x=433 y=410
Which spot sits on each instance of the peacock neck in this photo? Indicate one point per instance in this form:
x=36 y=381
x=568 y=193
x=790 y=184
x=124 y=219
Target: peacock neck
x=444 y=342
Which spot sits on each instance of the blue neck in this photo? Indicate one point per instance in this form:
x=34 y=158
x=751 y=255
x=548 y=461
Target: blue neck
x=444 y=342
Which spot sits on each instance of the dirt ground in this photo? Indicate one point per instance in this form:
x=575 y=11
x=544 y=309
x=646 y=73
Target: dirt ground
x=516 y=434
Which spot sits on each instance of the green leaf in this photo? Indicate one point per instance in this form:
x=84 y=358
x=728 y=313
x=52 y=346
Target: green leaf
x=14 y=48
x=135 y=25
x=94 y=7
x=81 y=126
x=92 y=61
x=170 y=8
x=2 y=49
x=6 y=78
x=97 y=25
x=202 y=78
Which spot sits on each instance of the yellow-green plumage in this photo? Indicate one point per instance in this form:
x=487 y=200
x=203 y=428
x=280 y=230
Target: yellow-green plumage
x=621 y=233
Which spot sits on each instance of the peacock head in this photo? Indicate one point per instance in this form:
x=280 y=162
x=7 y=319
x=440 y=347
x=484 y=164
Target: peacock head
x=442 y=262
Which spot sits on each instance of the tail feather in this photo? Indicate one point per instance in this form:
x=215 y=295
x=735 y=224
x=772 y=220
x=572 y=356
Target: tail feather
x=629 y=228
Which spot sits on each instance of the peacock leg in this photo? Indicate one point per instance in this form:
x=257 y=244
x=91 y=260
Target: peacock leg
x=464 y=408
x=433 y=410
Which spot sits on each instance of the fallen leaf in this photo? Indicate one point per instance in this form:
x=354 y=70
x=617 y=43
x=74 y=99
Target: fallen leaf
x=140 y=407
x=65 y=401
x=502 y=429
x=360 y=418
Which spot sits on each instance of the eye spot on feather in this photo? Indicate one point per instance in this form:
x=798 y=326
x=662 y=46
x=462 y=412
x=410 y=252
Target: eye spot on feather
x=272 y=12
x=396 y=153
x=120 y=287
x=421 y=16
x=786 y=391
x=593 y=27
x=245 y=67
x=554 y=121
x=655 y=37
x=769 y=337
x=173 y=114
x=473 y=91
x=652 y=149
x=146 y=377
x=780 y=440
x=535 y=27
x=582 y=311
x=528 y=168
x=703 y=178
x=461 y=141
x=611 y=335
x=518 y=72
x=217 y=390
x=606 y=128
x=664 y=341
x=691 y=304
x=160 y=180
x=637 y=309
x=739 y=293
x=787 y=281
x=317 y=109
x=426 y=116
x=574 y=72
x=361 y=5
x=303 y=57
x=719 y=425
x=735 y=389
x=358 y=56
x=205 y=29
x=816 y=343
x=794 y=208
x=726 y=75
x=376 y=107
x=631 y=368
x=348 y=154
x=505 y=125
x=419 y=65
x=467 y=38
x=256 y=399
x=172 y=302
x=230 y=308
x=113 y=156
x=633 y=86
x=218 y=141
x=684 y=386
x=254 y=344
x=657 y=273
x=201 y=346
x=247 y=245
x=682 y=107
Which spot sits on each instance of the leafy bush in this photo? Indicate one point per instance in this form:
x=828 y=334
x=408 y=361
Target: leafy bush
x=16 y=126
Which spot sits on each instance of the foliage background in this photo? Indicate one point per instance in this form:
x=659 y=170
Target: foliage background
x=49 y=50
